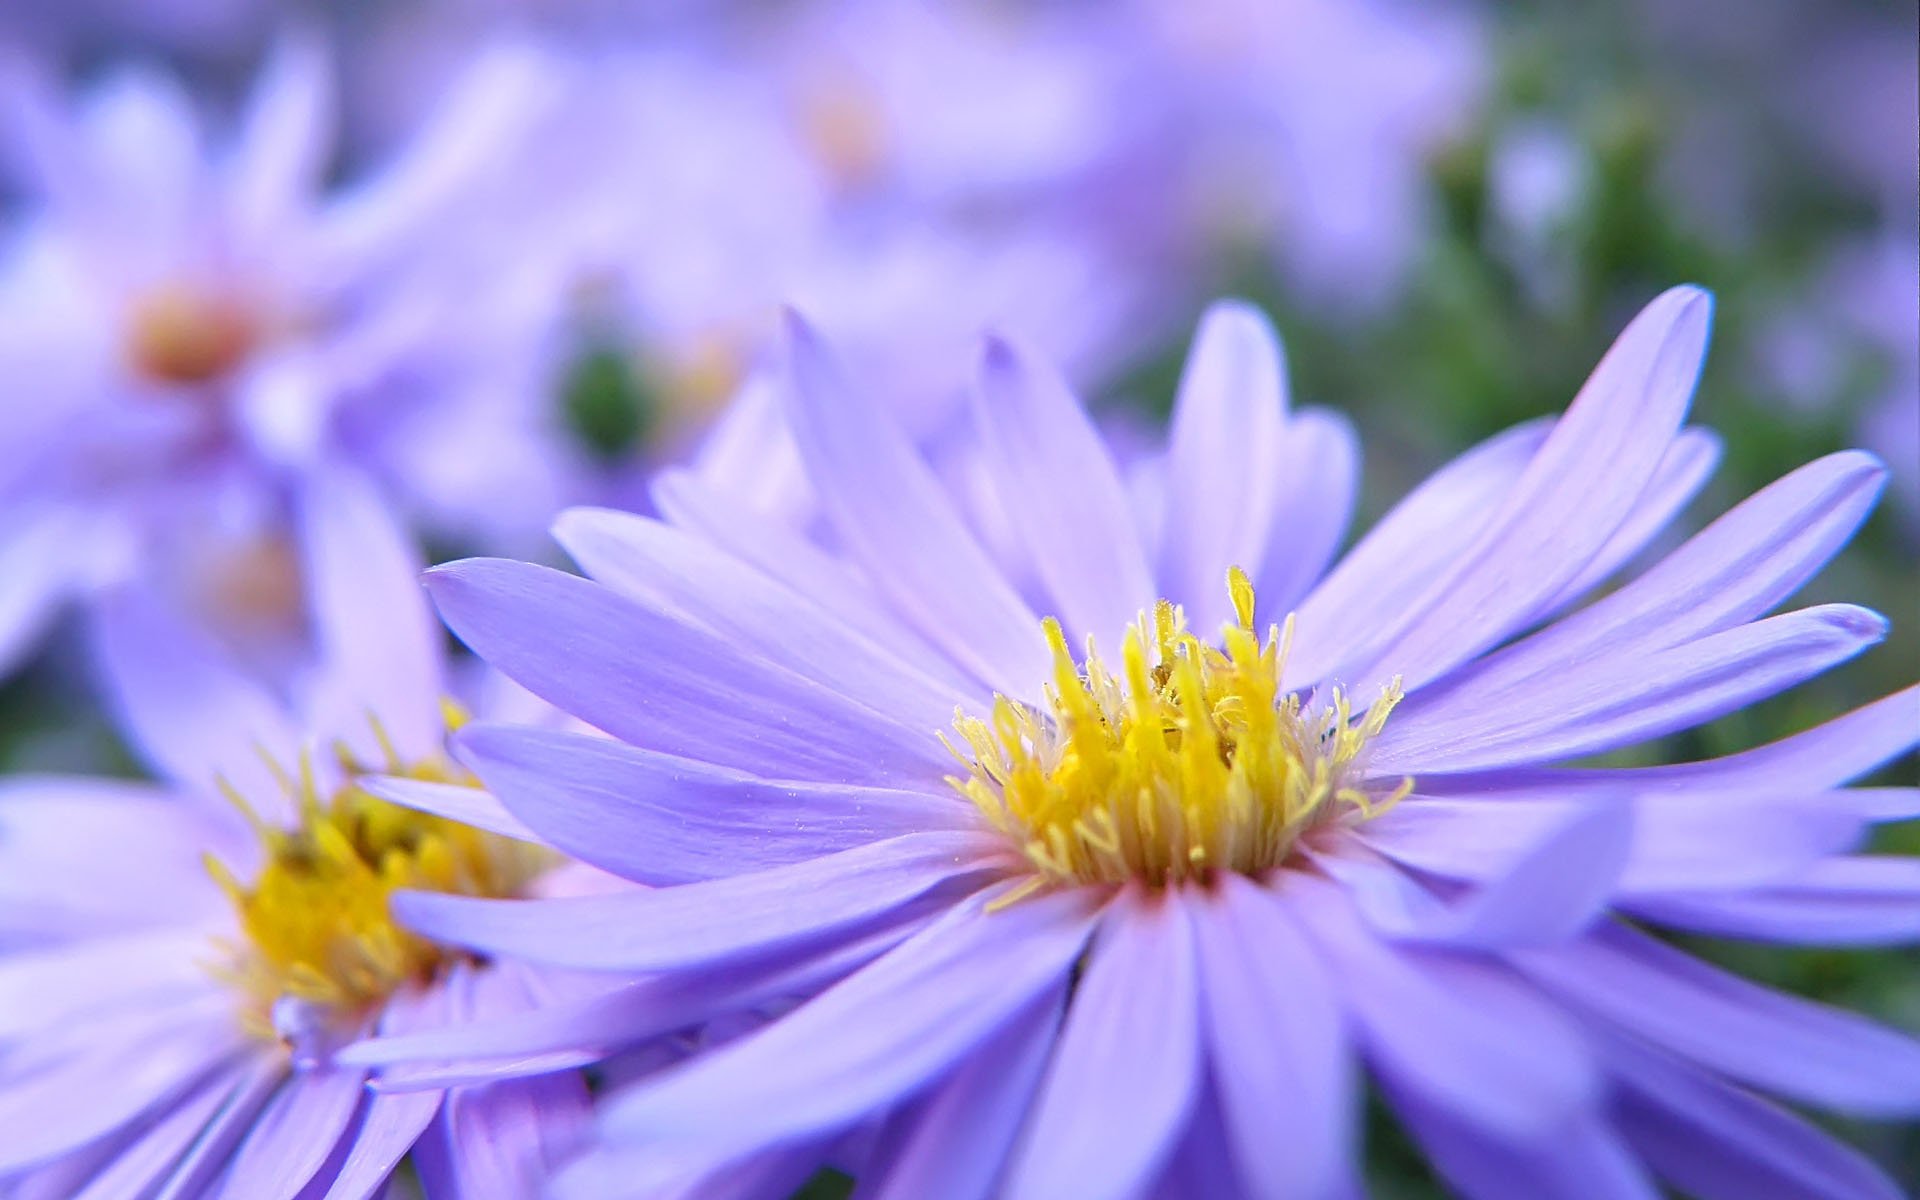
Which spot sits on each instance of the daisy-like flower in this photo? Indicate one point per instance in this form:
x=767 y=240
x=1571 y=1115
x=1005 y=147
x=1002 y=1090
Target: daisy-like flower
x=177 y=969
x=1214 y=828
x=197 y=319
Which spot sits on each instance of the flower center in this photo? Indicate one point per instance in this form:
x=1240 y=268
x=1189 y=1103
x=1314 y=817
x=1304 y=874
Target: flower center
x=320 y=943
x=186 y=333
x=1189 y=760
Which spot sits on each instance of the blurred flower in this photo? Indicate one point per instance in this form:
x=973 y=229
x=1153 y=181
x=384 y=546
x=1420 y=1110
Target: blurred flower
x=176 y=972
x=1305 y=128
x=1128 y=926
x=193 y=326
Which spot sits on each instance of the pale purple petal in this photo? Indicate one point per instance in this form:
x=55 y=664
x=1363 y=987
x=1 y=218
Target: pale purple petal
x=1462 y=1034
x=1825 y=756
x=1721 y=1143
x=284 y=142
x=658 y=683
x=295 y=1134
x=454 y=801
x=873 y=1039
x=1276 y=1038
x=1823 y=1055
x=953 y=1143
x=140 y=1168
x=689 y=578
x=898 y=524
x=1128 y=1067
x=1689 y=462
x=1318 y=483
x=36 y=571
x=1867 y=901
x=1736 y=569
x=1617 y=702
x=186 y=706
x=1553 y=889
x=379 y=643
x=1584 y=1159
x=1402 y=555
x=661 y=820
x=258 y=1080
x=717 y=921
x=390 y=1124
x=1059 y=485
x=1575 y=493
x=1228 y=419
x=64 y=984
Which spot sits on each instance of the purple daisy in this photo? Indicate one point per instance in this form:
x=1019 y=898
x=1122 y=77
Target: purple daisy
x=176 y=971
x=1224 y=830
x=200 y=320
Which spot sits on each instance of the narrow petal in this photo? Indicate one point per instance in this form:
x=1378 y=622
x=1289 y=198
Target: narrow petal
x=1618 y=702
x=896 y=521
x=141 y=1168
x=35 y=574
x=1822 y=1055
x=390 y=1124
x=1130 y=1051
x=953 y=1144
x=1554 y=888
x=1868 y=901
x=661 y=820
x=1825 y=756
x=186 y=706
x=784 y=555
x=1736 y=569
x=1720 y=1143
x=285 y=140
x=1402 y=555
x=379 y=642
x=683 y=575
x=454 y=801
x=260 y=1076
x=48 y=988
x=1318 y=485
x=1227 y=422
x=1688 y=464
x=1460 y=1033
x=295 y=1134
x=1574 y=495
x=1050 y=466
x=714 y=922
x=875 y=1038
x=658 y=683
x=1277 y=1042
x=1582 y=1160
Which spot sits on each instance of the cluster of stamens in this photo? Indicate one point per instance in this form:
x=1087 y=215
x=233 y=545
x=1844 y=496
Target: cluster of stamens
x=318 y=932
x=1190 y=759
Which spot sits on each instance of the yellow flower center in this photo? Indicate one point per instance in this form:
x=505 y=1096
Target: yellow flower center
x=186 y=333
x=318 y=935
x=1189 y=760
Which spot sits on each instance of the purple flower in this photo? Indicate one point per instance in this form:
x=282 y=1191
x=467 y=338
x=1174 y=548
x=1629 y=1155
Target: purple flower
x=1225 y=829
x=177 y=971
x=198 y=322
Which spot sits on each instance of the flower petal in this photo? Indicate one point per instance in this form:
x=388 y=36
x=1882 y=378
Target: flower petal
x=899 y=525
x=1569 y=502
x=1866 y=901
x=715 y=922
x=1402 y=555
x=658 y=683
x=1823 y=1055
x=1318 y=485
x=295 y=1134
x=1619 y=702
x=379 y=642
x=1227 y=423
x=873 y=1039
x=1583 y=1160
x=1458 y=1033
x=1276 y=1038
x=1049 y=465
x=661 y=820
x=1130 y=1051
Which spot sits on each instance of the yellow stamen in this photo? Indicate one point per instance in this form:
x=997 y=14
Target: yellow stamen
x=316 y=922
x=1188 y=760
x=188 y=333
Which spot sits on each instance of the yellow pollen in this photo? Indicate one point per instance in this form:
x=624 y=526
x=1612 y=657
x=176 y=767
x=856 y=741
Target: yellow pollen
x=182 y=333
x=316 y=923
x=1189 y=760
